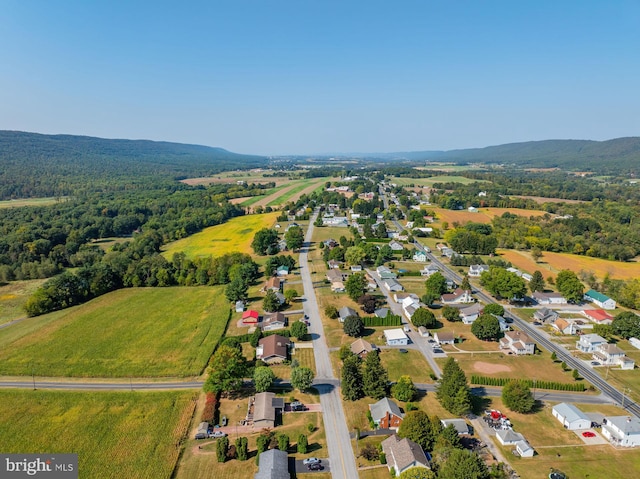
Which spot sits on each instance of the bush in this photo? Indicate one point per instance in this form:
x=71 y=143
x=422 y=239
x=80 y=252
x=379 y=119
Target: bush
x=331 y=312
x=209 y=413
x=283 y=442
x=221 y=449
x=370 y=452
x=311 y=427
x=242 y=449
x=302 y=444
x=389 y=320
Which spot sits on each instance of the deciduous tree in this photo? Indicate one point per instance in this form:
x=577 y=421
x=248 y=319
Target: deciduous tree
x=353 y=326
x=355 y=285
x=517 y=396
x=263 y=378
x=570 y=286
x=404 y=389
x=486 y=327
x=299 y=330
x=302 y=378
x=424 y=317
x=265 y=241
x=228 y=367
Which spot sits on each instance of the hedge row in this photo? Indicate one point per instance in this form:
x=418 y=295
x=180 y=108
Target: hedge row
x=210 y=411
x=488 y=381
x=389 y=320
x=245 y=338
x=410 y=273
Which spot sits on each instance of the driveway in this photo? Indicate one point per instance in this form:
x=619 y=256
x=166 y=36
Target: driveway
x=300 y=467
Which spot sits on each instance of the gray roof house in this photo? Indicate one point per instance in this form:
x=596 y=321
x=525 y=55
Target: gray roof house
x=403 y=454
x=460 y=424
x=386 y=414
x=265 y=409
x=345 y=312
x=545 y=315
x=274 y=464
x=570 y=416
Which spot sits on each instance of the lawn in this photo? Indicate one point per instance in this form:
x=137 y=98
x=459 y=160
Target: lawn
x=234 y=235
x=32 y=202
x=115 y=434
x=484 y=215
x=435 y=179
x=13 y=296
x=412 y=363
x=138 y=332
x=305 y=358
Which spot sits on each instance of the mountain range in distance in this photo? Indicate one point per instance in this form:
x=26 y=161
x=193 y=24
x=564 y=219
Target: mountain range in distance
x=620 y=154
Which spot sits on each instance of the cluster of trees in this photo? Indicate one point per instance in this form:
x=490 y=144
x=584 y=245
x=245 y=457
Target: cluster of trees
x=502 y=283
x=362 y=378
x=265 y=242
x=626 y=325
x=474 y=238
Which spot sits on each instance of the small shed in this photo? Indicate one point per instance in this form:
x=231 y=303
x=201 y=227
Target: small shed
x=239 y=306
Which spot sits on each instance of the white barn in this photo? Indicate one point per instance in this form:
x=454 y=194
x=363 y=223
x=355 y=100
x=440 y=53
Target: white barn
x=570 y=416
x=396 y=337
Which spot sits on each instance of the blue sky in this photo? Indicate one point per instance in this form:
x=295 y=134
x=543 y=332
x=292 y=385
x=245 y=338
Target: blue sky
x=303 y=76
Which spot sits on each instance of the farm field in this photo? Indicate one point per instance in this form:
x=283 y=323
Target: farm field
x=555 y=262
x=13 y=296
x=137 y=332
x=234 y=235
x=251 y=176
x=31 y=202
x=563 y=450
x=541 y=199
x=304 y=187
x=484 y=215
x=115 y=434
x=435 y=179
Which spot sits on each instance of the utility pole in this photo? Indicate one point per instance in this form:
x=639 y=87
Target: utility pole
x=33 y=377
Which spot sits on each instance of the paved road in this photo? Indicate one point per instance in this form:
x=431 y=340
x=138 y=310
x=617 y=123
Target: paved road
x=343 y=461
x=543 y=341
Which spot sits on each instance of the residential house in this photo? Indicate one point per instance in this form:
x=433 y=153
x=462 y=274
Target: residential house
x=395 y=246
x=527 y=277
x=612 y=355
x=504 y=326
x=334 y=275
x=598 y=316
x=281 y=298
x=565 y=327
x=472 y=209
x=345 y=312
x=266 y=407
x=602 y=300
x=518 y=343
x=545 y=315
x=515 y=271
x=331 y=243
x=338 y=287
x=396 y=337
x=424 y=332
x=460 y=425
x=570 y=416
x=356 y=268
x=622 y=430
x=507 y=437
x=589 y=343
x=371 y=283
x=381 y=312
x=334 y=264
x=239 y=306
x=635 y=342
x=339 y=221
x=385 y=273
x=274 y=322
x=549 y=298
x=447 y=252
x=273 y=284
x=250 y=317
x=419 y=256
x=361 y=348
x=424 y=230
x=471 y=313
x=459 y=296
x=444 y=337
x=273 y=464
x=475 y=270
x=403 y=454
x=400 y=297
x=429 y=270
x=410 y=305
x=386 y=414
x=282 y=270
x=273 y=349
x=392 y=285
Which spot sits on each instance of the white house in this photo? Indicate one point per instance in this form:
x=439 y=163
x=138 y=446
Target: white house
x=459 y=296
x=356 y=268
x=602 y=300
x=635 y=342
x=340 y=221
x=444 y=337
x=475 y=270
x=549 y=298
x=545 y=315
x=419 y=256
x=460 y=425
x=588 y=343
x=570 y=416
x=518 y=343
x=471 y=313
x=396 y=337
x=565 y=327
x=527 y=276
x=385 y=273
x=472 y=209
x=395 y=246
x=622 y=430
x=345 y=312
x=429 y=270
x=612 y=355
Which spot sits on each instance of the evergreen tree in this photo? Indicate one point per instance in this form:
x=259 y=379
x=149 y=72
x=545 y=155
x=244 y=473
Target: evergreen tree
x=302 y=444
x=537 y=282
x=453 y=392
x=270 y=302
x=465 y=285
x=351 y=379
x=236 y=290
x=374 y=376
x=242 y=449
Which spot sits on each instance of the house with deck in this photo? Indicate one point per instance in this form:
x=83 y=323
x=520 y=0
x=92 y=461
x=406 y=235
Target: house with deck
x=264 y=409
x=273 y=349
x=622 y=430
x=274 y=322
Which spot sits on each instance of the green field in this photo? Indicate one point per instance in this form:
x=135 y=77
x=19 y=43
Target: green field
x=13 y=295
x=138 y=332
x=234 y=235
x=31 y=202
x=434 y=179
x=116 y=435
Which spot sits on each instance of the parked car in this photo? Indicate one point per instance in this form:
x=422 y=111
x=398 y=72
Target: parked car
x=201 y=435
x=595 y=363
x=589 y=434
x=311 y=460
x=316 y=466
x=217 y=434
x=297 y=406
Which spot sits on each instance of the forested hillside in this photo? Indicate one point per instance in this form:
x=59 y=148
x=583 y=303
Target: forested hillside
x=620 y=155
x=35 y=165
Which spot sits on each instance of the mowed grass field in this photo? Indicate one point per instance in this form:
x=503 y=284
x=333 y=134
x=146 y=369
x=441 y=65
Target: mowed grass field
x=234 y=235
x=13 y=296
x=555 y=262
x=31 y=202
x=115 y=434
x=435 y=179
x=138 y=332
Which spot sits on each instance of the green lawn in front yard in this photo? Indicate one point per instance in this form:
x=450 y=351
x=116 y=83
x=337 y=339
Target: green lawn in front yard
x=412 y=363
x=135 y=332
